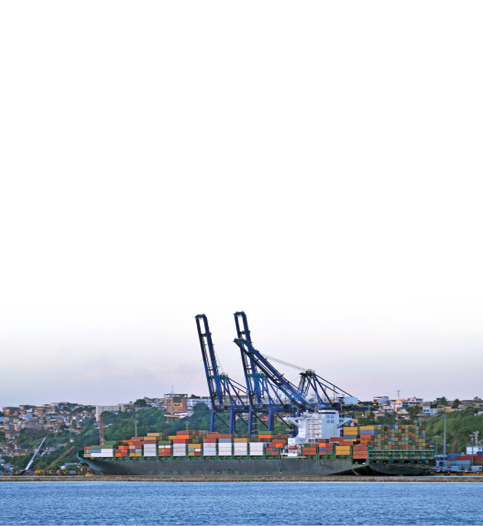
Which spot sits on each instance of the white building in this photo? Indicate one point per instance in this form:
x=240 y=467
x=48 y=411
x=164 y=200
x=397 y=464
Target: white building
x=106 y=408
x=191 y=402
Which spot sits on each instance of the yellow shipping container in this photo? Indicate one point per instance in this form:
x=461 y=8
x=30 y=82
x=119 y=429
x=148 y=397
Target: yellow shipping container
x=351 y=430
x=244 y=440
x=154 y=434
x=172 y=437
x=191 y=454
x=194 y=446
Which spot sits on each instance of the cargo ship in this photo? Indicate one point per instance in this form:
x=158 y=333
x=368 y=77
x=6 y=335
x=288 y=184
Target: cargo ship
x=363 y=450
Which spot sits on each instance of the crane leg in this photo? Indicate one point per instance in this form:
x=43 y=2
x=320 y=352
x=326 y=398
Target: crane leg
x=252 y=422
x=271 y=423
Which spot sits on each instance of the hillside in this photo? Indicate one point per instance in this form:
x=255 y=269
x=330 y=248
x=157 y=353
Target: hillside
x=459 y=426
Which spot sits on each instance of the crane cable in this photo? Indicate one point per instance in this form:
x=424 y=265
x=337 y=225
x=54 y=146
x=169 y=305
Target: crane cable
x=304 y=369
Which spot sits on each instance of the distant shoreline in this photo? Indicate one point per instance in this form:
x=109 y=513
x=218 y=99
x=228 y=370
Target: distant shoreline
x=231 y=478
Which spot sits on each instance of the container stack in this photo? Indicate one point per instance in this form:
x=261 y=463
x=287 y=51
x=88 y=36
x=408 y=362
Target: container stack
x=240 y=447
x=225 y=447
x=165 y=449
x=256 y=449
x=179 y=450
x=399 y=437
x=309 y=450
x=97 y=451
x=209 y=445
x=326 y=448
x=464 y=461
x=356 y=443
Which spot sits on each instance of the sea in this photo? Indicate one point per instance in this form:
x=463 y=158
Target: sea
x=238 y=503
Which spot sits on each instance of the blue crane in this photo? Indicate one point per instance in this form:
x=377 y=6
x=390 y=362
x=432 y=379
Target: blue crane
x=270 y=392
x=321 y=388
x=226 y=394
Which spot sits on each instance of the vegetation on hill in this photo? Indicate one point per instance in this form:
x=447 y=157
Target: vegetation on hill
x=459 y=426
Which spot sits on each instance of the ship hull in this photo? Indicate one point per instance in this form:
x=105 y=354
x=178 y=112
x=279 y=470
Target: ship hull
x=251 y=467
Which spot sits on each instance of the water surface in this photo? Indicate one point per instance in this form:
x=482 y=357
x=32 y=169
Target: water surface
x=233 y=503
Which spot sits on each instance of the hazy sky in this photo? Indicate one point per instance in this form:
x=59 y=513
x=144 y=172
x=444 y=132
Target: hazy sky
x=315 y=164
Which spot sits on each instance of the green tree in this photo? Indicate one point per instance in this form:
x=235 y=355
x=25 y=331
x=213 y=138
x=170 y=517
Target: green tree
x=456 y=403
x=443 y=401
x=414 y=412
x=140 y=403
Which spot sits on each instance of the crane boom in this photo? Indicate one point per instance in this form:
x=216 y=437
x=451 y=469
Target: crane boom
x=64 y=454
x=33 y=458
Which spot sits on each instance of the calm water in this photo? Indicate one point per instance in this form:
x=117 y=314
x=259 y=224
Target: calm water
x=122 y=503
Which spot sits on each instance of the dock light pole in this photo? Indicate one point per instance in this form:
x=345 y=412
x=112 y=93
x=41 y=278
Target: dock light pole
x=436 y=439
x=444 y=437
x=474 y=436
x=136 y=421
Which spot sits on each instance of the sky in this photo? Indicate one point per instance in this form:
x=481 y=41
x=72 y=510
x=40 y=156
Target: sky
x=317 y=165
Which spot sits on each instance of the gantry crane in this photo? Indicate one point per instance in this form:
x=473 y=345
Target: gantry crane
x=268 y=393
x=227 y=396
